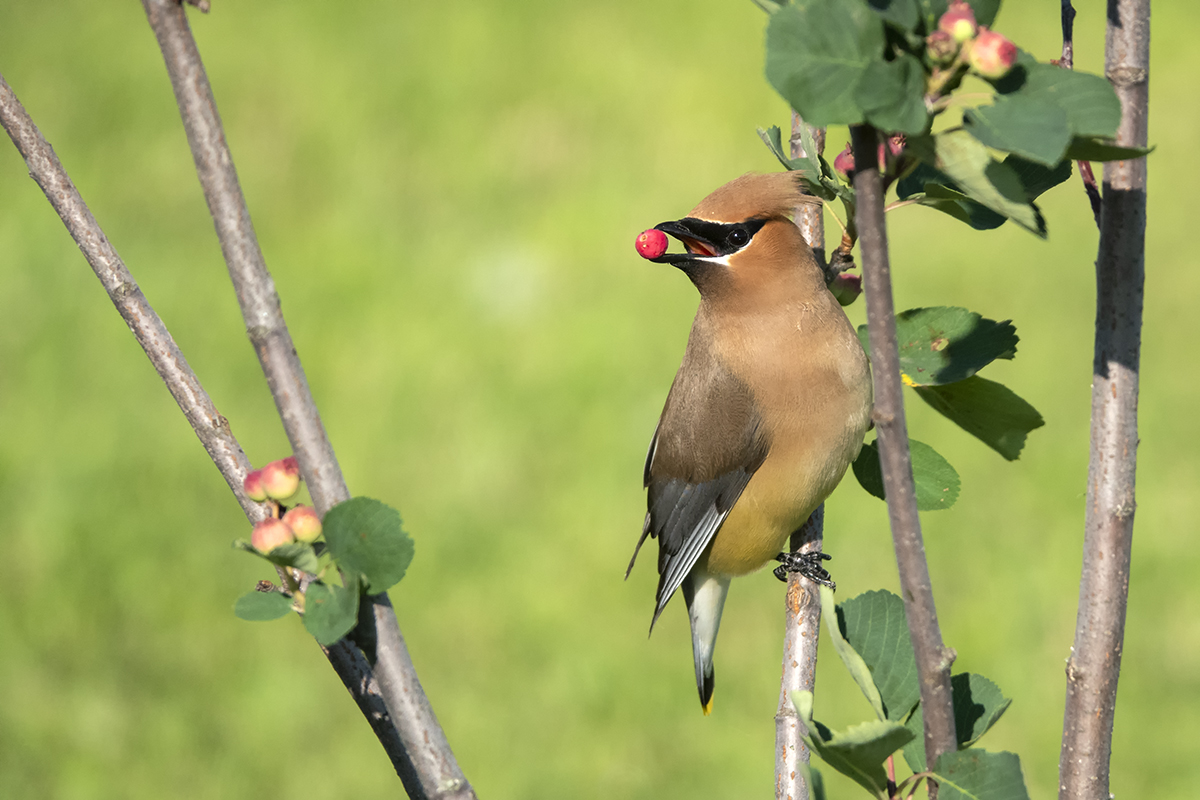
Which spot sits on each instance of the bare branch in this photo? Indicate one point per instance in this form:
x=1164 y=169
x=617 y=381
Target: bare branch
x=933 y=658
x=1095 y=663
x=802 y=626
x=151 y=333
x=802 y=616
x=435 y=766
x=211 y=428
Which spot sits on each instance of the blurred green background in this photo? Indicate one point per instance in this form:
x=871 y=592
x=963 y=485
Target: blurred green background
x=447 y=195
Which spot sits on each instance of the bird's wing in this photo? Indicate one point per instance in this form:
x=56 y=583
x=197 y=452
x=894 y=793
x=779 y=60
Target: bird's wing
x=707 y=446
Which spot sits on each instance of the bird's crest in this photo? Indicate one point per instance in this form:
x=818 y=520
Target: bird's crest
x=774 y=195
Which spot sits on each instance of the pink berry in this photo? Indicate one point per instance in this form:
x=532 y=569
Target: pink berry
x=252 y=485
x=304 y=522
x=651 y=243
x=959 y=21
x=941 y=46
x=992 y=55
x=844 y=163
x=269 y=534
x=281 y=479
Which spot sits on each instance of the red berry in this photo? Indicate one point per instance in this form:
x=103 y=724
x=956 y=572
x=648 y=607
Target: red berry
x=252 y=485
x=844 y=163
x=269 y=534
x=651 y=243
x=281 y=478
x=992 y=54
x=304 y=522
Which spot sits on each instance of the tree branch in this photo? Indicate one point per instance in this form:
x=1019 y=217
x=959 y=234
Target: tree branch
x=434 y=771
x=1095 y=663
x=933 y=658
x=802 y=626
x=151 y=333
x=802 y=615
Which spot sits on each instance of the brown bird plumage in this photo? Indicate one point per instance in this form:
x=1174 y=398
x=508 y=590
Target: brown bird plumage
x=767 y=410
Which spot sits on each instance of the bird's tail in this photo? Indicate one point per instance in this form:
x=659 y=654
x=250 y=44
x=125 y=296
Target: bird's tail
x=704 y=594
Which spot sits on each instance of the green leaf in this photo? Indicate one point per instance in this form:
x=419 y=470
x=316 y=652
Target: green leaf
x=298 y=555
x=1033 y=127
x=941 y=193
x=936 y=481
x=818 y=51
x=330 y=611
x=978 y=705
x=892 y=95
x=808 y=167
x=262 y=606
x=979 y=775
x=996 y=185
x=1036 y=178
x=365 y=536
x=857 y=752
x=873 y=623
x=769 y=6
x=944 y=344
x=1091 y=148
x=813 y=779
x=990 y=411
x=904 y=14
x=855 y=664
x=1091 y=105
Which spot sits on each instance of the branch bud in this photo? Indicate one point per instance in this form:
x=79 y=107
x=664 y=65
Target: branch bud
x=269 y=534
x=844 y=163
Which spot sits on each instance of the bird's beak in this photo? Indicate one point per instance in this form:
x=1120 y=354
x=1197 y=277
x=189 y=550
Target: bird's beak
x=697 y=246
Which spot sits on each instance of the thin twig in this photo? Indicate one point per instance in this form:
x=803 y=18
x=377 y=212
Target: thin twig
x=933 y=658
x=1068 y=62
x=1095 y=663
x=151 y=333
x=434 y=763
x=802 y=615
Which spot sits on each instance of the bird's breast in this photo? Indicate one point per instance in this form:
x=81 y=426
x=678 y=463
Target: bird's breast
x=811 y=381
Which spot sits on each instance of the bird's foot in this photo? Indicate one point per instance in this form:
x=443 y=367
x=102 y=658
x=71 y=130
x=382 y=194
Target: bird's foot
x=806 y=564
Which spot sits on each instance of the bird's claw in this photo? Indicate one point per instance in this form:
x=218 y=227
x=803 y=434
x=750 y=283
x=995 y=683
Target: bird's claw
x=806 y=564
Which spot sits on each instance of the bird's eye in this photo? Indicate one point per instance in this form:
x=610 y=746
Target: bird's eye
x=738 y=237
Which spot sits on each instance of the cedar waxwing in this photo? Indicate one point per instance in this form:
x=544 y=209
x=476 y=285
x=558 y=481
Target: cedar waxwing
x=766 y=412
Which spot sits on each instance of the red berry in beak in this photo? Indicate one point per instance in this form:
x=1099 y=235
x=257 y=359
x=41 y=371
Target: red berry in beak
x=651 y=243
